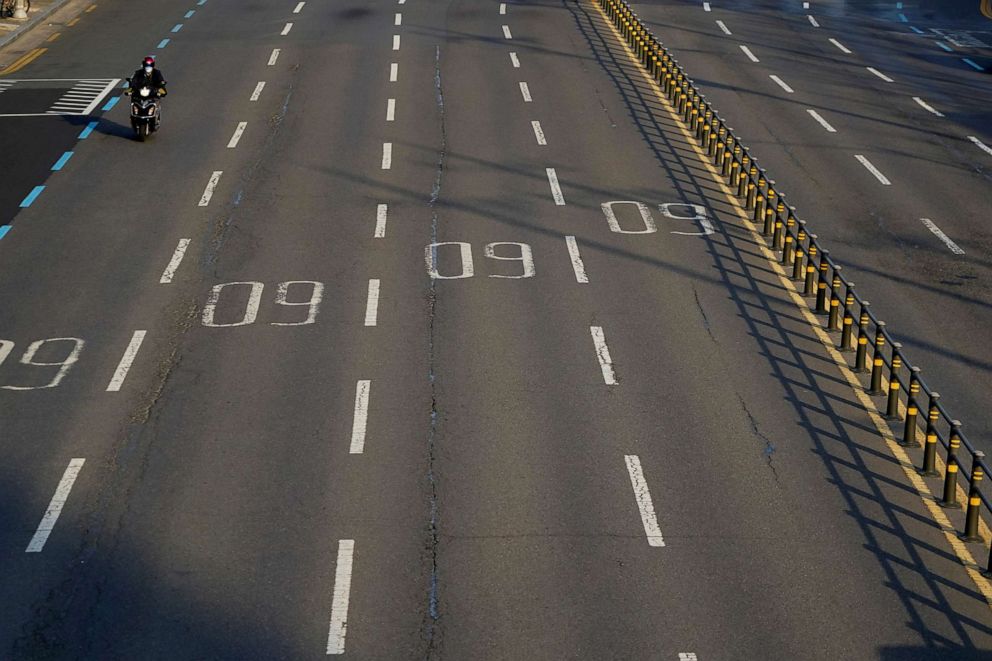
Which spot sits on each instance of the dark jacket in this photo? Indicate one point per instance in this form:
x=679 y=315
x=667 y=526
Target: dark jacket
x=140 y=79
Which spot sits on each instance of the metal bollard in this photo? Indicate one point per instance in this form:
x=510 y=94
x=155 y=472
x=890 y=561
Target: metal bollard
x=950 y=498
x=974 y=499
x=833 y=321
x=797 y=260
x=821 y=285
x=912 y=410
x=847 y=333
x=809 y=287
x=892 y=405
x=861 y=359
x=877 y=362
x=929 y=468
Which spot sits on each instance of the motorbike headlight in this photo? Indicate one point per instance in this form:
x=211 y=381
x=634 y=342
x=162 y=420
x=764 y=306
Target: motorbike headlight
x=145 y=92
x=135 y=108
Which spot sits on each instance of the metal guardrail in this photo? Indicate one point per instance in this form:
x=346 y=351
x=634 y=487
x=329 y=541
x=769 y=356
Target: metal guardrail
x=832 y=295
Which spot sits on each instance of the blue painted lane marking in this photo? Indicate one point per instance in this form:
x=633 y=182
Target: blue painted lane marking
x=3 y=230
x=163 y=43
x=32 y=196
x=189 y=14
x=201 y=3
x=177 y=27
x=59 y=164
x=945 y=46
x=916 y=29
x=86 y=131
x=110 y=104
x=972 y=64
x=902 y=17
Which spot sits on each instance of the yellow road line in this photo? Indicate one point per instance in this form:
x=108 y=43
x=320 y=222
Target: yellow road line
x=896 y=450
x=54 y=37
x=90 y=8
x=73 y=22
x=24 y=60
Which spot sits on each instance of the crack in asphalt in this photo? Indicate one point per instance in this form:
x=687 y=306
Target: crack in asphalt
x=706 y=320
x=431 y=626
x=769 y=450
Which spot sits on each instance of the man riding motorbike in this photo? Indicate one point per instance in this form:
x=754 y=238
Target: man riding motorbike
x=147 y=76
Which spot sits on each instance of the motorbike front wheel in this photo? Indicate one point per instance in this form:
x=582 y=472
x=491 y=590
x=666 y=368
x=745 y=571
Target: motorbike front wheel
x=142 y=131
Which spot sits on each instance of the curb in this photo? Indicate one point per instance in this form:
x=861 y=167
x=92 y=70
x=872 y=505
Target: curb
x=32 y=22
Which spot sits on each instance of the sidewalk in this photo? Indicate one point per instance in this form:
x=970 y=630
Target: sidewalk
x=40 y=10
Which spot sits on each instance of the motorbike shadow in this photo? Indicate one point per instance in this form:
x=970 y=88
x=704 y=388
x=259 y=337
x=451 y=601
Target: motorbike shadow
x=104 y=125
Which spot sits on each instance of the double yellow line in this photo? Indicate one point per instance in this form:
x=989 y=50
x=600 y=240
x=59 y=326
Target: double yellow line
x=24 y=60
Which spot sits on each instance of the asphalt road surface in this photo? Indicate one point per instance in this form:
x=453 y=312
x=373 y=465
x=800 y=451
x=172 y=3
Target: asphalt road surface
x=422 y=330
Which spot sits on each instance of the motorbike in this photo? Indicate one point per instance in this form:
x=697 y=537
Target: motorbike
x=146 y=111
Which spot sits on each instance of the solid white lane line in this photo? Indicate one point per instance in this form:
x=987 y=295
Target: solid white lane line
x=981 y=145
x=577 y=265
x=843 y=49
x=299 y=7
x=538 y=133
x=177 y=258
x=123 y=367
x=723 y=26
x=342 y=593
x=643 y=497
x=258 y=91
x=381 y=212
x=502 y=8
x=514 y=60
x=387 y=155
x=871 y=168
x=822 y=122
x=812 y=21
x=706 y=6
x=506 y=32
x=238 y=132
x=372 y=304
x=555 y=188
x=390 y=110
x=55 y=506
x=394 y=71
x=361 y=418
x=396 y=42
x=932 y=226
x=781 y=83
x=286 y=29
x=926 y=106
x=974 y=65
x=750 y=55
x=274 y=56
x=603 y=355
x=208 y=192
x=398 y=19
x=525 y=92
x=879 y=74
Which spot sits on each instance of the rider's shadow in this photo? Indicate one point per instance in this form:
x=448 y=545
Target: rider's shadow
x=104 y=125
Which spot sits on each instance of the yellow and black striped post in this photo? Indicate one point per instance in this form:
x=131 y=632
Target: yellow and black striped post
x=950 y=498
x=929 y=468
x=809 y=287
x=788 y=242
x=777 y=234
x=892 y=405
x=833 y=321
x=877 y=362
x=974 y=499
x=912 y=410
x=861 y=358
x=847 y=333
x=771 y=204
x=797 y=260
x=821 y=284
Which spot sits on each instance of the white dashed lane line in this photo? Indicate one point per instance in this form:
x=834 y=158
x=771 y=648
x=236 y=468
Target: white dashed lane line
x=396 y=42
x=538 y=133
x=502 y=8
x=555 y=188
x=394 y=72
x=525 y=92
x=381 y=213
x=706 y=6
x=981 y=145
x=177 y=257
x=342 y=593
x=812 y=21
x=879 y=74
x=944 y=46
x=603 y=355
x=258 y=91
x=55 y=506
x=822 y=122
x=514 y=60
x=274 y=56
x=578 y=266
x=875 y=171
x=390 y=110
x=208 y=192
x=926 y=106
x=398 y=19
x=932 y=226
x=974 y=65
x=124 y=366
x=723 y=26
x=286 y=29
x=781 y=83
x=372 y=304
x=238 y=132
x=299 y=7
x=841 y=47
x=387 y=155
x=506 y=32
x=751 y=56
x=361 y=418
x=643 y=497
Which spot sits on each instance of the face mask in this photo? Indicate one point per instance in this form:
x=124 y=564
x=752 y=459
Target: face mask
x=148 y=69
